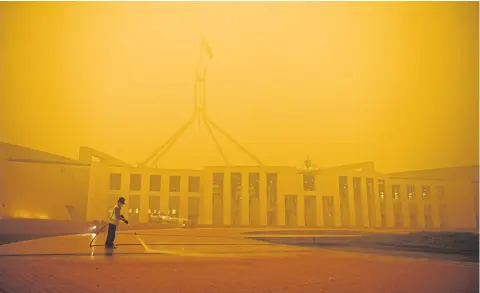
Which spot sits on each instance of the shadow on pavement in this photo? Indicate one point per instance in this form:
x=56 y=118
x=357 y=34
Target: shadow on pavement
x=464 y=244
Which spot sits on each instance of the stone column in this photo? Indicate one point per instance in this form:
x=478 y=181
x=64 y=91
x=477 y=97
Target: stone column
x=435 y=208
x=337 y=210
x=420 y=206
x=376 y=202
x=227 y=198
x=389 y=205
x=319 y=207
x=206 y=204
x=164 y=193
x=263 y=198
x=363 y=195
x=125 y=191
x=405 y=207
x=184 y=184
x=300 y=195
x=300 y=210
x=351 y=202
x=280 y=200
x=245 y=221
x=144 y=198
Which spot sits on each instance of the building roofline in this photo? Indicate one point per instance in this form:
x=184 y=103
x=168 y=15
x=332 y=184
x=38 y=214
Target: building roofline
x=47 y=162
x=435 y=169
x=17 y=152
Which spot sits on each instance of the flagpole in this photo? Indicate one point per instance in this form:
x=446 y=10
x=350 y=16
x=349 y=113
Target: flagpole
x=200 y=94
x=199 y=82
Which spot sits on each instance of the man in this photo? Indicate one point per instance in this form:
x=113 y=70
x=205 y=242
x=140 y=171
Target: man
x=113 y=222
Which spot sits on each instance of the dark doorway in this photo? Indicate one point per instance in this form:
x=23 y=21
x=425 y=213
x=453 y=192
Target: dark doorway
x=254 y=198
x=236 y=199
x=310 y=211
x=291 y=210
x=328 y=211
x=193 y=210
x=217 y=199
x=271 y=199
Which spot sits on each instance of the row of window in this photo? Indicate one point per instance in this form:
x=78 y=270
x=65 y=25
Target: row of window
x=155 y=182
x=309 y=185
x=343 y=185
x=440 y=191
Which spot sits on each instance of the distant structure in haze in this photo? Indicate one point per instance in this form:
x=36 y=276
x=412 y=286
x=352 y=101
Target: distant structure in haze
x=200 y=115
x=36 y=184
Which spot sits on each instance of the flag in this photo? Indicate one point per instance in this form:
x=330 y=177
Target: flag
x=207 y=48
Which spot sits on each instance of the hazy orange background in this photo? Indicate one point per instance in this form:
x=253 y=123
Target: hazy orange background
x=394 y=83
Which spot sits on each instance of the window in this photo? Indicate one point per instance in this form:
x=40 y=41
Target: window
x=155 y=182
x=271 y=192
x=193 y=184
x=396 y=192
x=253 y=184
x=425 y=192
x=135 y=181
x=309 y=182
x=411 y=192
x=236 y=187
x=381 y=189
x=174 y=184
x=217 y=184
x=115 y=181
x=357 y=195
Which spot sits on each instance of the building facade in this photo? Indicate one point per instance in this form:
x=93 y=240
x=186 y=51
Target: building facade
x=38 y=185
x=349 y=196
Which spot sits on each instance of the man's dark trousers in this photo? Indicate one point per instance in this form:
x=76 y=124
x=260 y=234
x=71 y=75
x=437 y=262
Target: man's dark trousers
x=111 y=235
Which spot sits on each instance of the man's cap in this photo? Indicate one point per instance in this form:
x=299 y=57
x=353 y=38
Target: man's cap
x=121 y=200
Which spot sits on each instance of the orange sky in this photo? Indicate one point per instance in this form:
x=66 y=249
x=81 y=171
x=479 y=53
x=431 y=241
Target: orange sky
x=393 y=82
